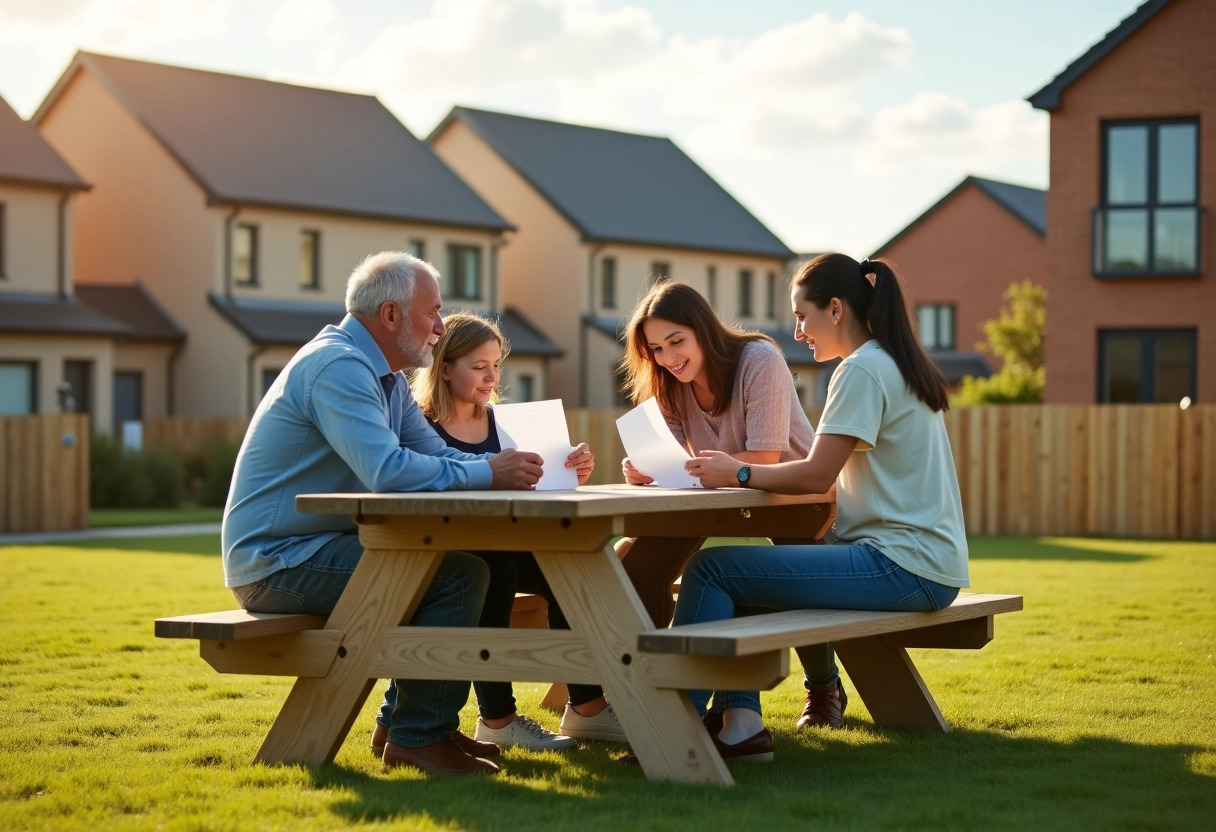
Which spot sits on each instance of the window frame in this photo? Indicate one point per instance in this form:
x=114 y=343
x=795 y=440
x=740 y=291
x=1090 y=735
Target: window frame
x=938 y=308
x=1147 y=361
x=34 y=367
x=660 y=270
x=138 y=376
x=417 y=247
x=745 y=293
x=711 y=284
x=456 y=292
x=311 y=282
x=608 y=283
x=252 y=280
x=3 y=241
x=1151 y=204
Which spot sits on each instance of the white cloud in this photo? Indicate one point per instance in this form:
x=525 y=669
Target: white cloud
x=301 y=20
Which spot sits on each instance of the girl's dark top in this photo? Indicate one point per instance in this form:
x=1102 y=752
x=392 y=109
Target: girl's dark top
x=489 y=445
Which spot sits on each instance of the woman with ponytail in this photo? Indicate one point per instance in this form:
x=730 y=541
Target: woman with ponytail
x=898 y=542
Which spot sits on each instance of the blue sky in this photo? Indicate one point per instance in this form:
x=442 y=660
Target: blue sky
x=836 y=123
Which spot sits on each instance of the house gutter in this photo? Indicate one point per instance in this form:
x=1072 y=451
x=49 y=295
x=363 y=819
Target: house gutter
x=61 y=265
x=171 y=379
x=498 y=242
x=582 y=325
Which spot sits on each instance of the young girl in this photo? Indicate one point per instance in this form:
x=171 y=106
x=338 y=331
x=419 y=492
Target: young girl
x=455 y=394
x=899 y=542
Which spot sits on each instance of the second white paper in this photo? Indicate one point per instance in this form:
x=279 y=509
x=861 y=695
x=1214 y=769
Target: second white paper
x=539 y=427
x=651 y=447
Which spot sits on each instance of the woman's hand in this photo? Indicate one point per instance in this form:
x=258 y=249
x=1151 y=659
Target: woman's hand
x=582 y=461
x=715 y=469
x=632 y=475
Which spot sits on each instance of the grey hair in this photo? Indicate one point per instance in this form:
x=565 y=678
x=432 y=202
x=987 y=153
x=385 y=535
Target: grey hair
x=387 y=276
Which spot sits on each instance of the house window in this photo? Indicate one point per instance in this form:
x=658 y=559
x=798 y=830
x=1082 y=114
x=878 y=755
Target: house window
x=608 y=283
x=1148 y=222
x=745 y=293
x=269 y=375
x=770 y=296
x=18 y=388
x=78 y=381
x=711 y=284
x=936 y=324
x=3 y=270
x=310 y=259
x=128 y=397
x=1146 y=366
x=525 y=389
x=417 y=248
x=245 y=255
x=659 y=271
x=464 y=272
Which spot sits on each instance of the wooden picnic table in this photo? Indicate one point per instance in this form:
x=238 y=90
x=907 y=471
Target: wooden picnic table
x=570 y=532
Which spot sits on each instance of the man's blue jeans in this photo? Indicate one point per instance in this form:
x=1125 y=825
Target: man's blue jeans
x=416 y=712
x=733 y=581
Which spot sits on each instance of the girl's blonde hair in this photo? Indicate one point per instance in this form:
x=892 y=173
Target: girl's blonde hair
x=466 y=332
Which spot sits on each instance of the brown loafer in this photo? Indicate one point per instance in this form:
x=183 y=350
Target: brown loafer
x=443 y=757
x=824 y=707
x=470 y=746
x=758 y=748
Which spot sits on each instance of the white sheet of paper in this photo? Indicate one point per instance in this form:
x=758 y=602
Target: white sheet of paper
x=539 y=427
x=651 y=447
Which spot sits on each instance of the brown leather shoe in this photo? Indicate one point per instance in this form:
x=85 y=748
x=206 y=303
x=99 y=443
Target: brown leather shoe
x=442 y=756
x=758 y=748
x=824 y=707
x=472 y=747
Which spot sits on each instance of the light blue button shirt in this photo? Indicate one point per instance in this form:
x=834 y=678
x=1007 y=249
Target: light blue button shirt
x=325 y=425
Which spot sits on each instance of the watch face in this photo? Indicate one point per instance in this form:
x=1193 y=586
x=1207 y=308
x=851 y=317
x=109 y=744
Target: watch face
x=745 y=474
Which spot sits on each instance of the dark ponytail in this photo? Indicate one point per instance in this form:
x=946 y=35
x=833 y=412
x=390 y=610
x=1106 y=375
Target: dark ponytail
x=880 y=307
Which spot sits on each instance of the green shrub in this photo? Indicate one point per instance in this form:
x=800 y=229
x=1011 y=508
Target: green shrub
x=214 y=466
x=118 y=478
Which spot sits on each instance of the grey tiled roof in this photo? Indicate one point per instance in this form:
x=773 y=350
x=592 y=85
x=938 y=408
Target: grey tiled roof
x=288 y=323
x=255 y=142
x=45 y=313
x=622 y=187
x=1048 y=98
x=1026 y=204
x=134 y=306
x=27 y=157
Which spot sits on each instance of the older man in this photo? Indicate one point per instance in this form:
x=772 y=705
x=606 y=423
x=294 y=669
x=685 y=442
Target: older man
x=340 y=417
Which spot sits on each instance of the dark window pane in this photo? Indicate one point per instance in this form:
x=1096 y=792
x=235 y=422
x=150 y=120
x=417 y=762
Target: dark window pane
x=245 y=254
x=1176 y=175
x=608 y=283
x=711 y=284
x=128 y=398
x=1173 y=367
x=464 y=273
x=1121 y=359
x=1127 y=166
x=1123 y=240
x=946 y=327
x=18 y=395
x=1174 y=241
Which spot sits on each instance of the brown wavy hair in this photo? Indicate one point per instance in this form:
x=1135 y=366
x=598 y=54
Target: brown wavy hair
x=466 y=332
x=721 y=343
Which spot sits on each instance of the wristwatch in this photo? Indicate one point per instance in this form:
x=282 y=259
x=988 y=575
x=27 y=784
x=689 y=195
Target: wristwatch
x=744 y=475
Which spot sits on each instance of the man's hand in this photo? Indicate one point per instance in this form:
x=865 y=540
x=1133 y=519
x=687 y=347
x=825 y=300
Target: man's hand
x=632 y=475
x=714 y=469
x=514 y=470
x=582 y=461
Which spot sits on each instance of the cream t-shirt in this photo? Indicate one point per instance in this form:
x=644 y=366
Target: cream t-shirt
x=898 y=490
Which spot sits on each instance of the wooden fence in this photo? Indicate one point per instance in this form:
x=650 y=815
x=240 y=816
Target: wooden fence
x=44 y=473
x=1146 y=471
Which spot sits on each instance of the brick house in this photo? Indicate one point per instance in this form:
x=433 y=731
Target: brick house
x=599 y=215
x=959 y=256
x=242 y=205
x=1132 y=292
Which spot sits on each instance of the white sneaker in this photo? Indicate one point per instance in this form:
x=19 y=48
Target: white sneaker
x=602 y=726
x=523 y=732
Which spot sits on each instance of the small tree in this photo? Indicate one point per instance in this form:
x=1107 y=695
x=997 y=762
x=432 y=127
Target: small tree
x=1016 y=336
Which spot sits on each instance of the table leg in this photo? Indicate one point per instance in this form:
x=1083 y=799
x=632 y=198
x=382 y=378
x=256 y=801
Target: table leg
x=652 y=564
x=384 y=590
x=663 y=727
x=889 y=684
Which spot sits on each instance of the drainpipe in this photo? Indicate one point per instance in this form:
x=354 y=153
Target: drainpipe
x=228 y=220
x=498 y=242
x=582 y=328
x=252 y=402
x=171 y=379
x=62 y=263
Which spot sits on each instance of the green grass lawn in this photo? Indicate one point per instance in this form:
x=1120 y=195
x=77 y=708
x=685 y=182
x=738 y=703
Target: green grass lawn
x=1095 y=708
x=108 y=518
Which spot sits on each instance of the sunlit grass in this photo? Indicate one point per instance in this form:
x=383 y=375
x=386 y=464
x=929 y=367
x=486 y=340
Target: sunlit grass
x=1093 y=708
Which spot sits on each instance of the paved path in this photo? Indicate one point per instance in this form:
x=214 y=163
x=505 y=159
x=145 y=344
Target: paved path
x=120 y=532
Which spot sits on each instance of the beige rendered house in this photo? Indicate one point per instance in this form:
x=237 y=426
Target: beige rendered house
x=958 y=258
x=243 y=204
x=599 y=215
x=63 y=347
x=1131 y=308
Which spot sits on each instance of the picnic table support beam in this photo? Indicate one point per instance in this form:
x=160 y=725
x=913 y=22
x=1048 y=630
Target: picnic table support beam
x=889 y=684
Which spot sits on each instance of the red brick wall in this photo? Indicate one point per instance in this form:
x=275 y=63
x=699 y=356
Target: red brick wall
x=1166 y=68
x=967 y=252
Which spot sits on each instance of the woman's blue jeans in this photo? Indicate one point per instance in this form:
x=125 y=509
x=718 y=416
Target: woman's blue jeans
x=417 y=712
x=733 y=581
